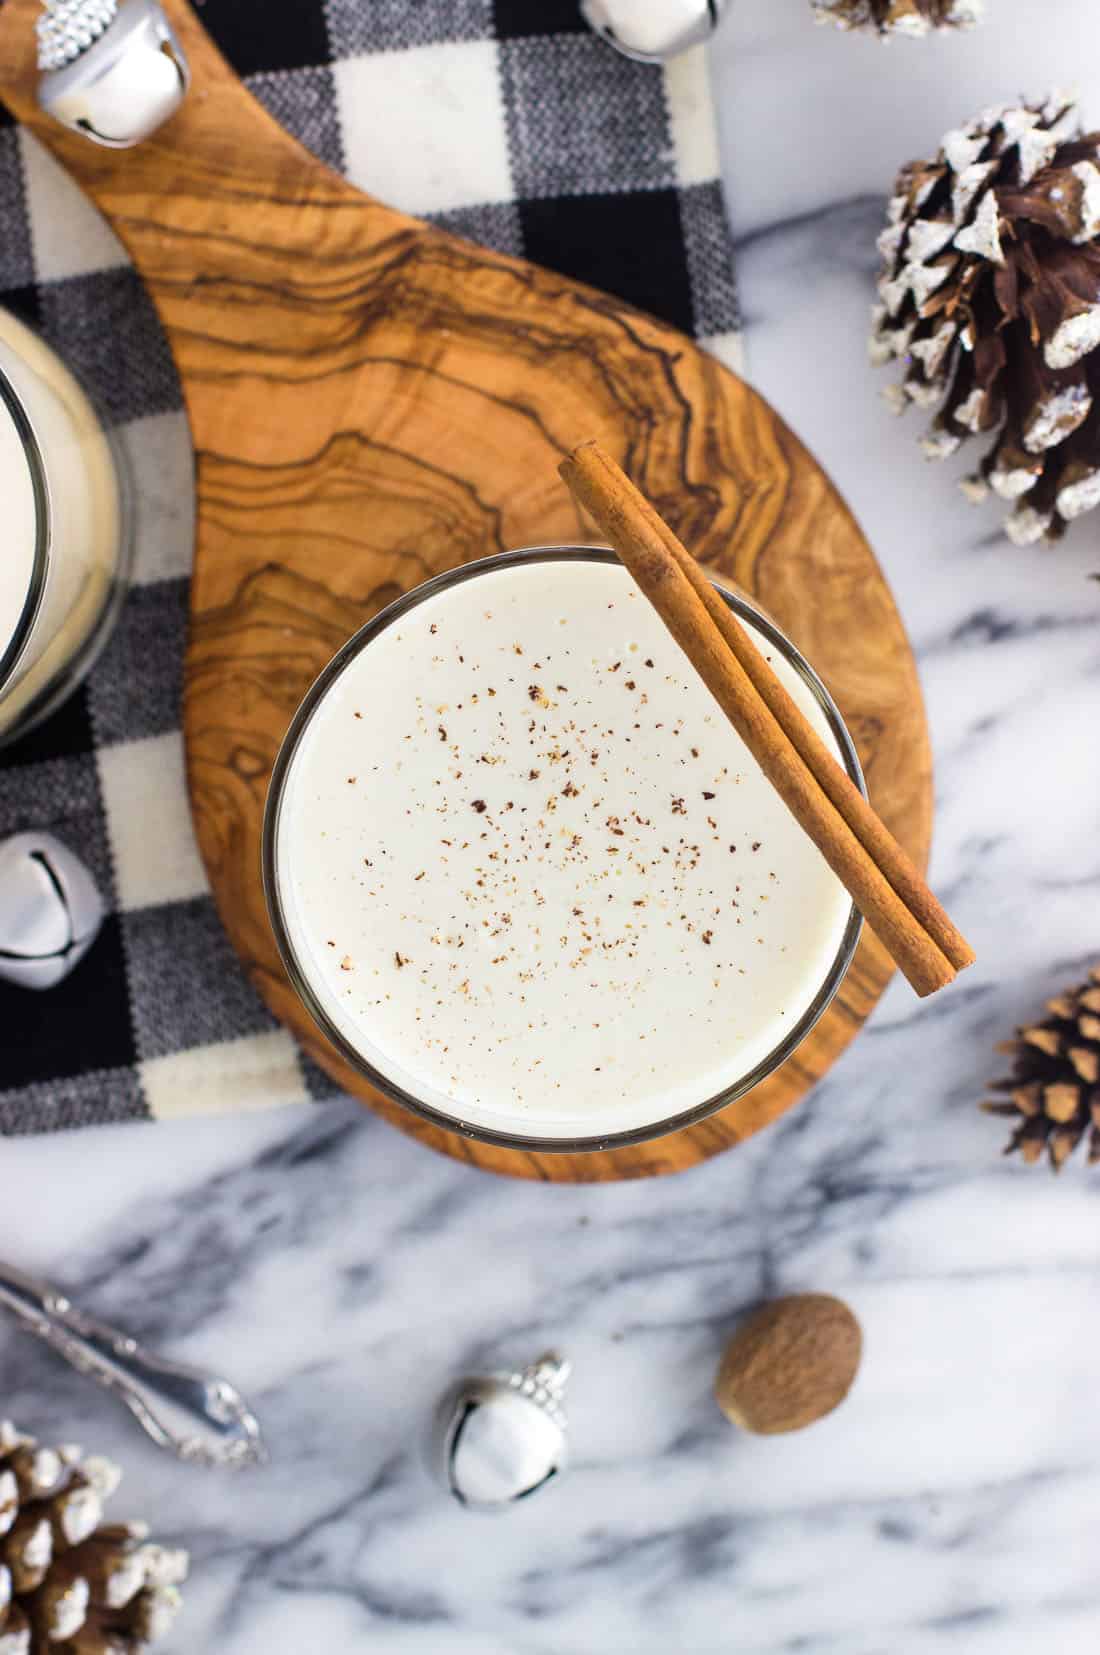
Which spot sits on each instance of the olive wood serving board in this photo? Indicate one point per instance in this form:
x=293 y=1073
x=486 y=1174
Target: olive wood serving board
x=371 y=401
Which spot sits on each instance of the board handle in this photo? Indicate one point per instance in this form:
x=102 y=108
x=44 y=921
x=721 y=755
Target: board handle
x=198 y=169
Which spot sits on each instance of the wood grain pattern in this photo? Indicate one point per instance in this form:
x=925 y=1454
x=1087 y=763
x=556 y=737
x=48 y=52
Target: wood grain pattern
x=372 y=401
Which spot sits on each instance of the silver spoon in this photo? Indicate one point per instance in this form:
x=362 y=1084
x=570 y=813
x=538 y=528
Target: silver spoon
x=198 y=1417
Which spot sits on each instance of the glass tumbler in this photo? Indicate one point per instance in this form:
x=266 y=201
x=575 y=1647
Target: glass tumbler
x=356 y=1044
x=65 y=557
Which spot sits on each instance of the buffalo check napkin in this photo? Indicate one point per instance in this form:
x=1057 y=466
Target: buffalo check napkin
x=506 y=121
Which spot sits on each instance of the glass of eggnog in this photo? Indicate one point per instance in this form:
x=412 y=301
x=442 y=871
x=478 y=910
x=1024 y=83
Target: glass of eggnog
x=65 y=560
x=528 y=879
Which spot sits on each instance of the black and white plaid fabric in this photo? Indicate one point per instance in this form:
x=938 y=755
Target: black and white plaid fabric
x=504 y=120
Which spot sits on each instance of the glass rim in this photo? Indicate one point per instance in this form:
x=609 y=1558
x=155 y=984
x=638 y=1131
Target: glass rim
x=12 y=651
x=299 y=977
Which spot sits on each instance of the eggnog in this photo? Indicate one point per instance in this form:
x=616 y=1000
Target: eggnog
x=524 y=870
x=64 y=542
x=18 y=562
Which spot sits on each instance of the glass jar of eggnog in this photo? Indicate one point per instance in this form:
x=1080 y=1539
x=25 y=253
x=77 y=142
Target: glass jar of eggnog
x=65 y=558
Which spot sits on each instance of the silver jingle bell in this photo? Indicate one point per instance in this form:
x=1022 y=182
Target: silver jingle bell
x=50 y=910
x=653 y=30
x=499 y=1437
x=112 y=73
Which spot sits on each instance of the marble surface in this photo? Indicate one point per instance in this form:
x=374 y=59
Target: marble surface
x=341 y=1275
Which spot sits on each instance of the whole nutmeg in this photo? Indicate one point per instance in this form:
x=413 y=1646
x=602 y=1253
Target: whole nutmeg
x=791 y=1363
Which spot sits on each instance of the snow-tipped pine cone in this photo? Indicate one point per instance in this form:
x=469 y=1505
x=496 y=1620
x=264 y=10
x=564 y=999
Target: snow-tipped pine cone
x=70 y=1584
x=990 y=296
x=899 y=17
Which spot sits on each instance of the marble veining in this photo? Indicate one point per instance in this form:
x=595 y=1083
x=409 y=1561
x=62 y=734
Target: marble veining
x=341 y=1275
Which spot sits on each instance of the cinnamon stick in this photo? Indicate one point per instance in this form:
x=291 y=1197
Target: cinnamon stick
x=865 y=823
x=875 y=870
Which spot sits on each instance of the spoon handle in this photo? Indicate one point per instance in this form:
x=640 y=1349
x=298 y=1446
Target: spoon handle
x=198 y=1417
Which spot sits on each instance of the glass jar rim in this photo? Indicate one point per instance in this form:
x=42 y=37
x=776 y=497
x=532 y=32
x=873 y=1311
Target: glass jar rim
x=12 y=649
x=299 y=977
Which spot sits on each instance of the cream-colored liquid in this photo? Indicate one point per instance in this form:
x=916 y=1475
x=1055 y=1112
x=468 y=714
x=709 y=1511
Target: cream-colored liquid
x=17 y=534
x=85 y=518
x=532 y=873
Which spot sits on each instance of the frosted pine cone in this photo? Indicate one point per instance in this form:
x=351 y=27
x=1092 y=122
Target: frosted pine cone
x=990 y=295
x=898 y=17
x=69 y=1583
